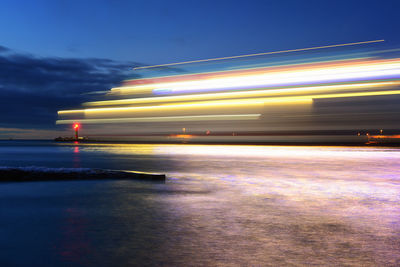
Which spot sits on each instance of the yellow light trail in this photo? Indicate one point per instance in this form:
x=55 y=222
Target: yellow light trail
x=225 y=103
x=203 y=104
x=255 y=93
x=260 y=54
x=165 y=119
x=381 y=93
x=137 y=88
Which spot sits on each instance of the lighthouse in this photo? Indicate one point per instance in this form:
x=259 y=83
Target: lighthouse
x=76 y=127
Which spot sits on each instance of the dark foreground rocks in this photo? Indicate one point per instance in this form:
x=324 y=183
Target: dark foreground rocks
x=22 y=174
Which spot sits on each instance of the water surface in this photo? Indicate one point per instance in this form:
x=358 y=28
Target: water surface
x=221 y=205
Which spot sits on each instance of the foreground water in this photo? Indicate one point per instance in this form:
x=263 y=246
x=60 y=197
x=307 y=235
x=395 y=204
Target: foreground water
x=220 y=205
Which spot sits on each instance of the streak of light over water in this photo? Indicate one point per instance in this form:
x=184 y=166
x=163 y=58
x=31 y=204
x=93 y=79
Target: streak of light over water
x=221 y=205
x=335 y=92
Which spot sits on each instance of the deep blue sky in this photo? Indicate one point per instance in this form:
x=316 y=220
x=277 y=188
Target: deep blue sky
x=52 y=40
x=171 y=30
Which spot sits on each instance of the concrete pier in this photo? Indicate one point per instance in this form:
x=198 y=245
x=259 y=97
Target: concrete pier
x=21 y=174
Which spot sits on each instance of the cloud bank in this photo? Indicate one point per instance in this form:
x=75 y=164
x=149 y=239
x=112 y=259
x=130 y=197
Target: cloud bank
x=32 y=88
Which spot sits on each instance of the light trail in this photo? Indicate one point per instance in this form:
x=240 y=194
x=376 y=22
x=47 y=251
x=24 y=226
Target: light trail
x=373 y=71
x=255 y=93
x=302 y=75
x=230 y=103
x=199 y=104
x=260 y=54
x=166 y=119
x=245 y=70
x=259 y=97
x=381 y=93
x=146 y=85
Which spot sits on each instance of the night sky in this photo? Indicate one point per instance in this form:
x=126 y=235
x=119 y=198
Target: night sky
x=54 y=52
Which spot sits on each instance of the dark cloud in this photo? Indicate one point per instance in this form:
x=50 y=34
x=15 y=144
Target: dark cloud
x=32 y=89
x=3 y=49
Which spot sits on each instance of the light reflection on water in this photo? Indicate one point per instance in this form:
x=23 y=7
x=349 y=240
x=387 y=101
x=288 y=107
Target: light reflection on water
x=221 y=205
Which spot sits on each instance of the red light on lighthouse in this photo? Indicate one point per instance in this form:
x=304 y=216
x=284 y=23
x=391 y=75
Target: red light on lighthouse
x=76 y=127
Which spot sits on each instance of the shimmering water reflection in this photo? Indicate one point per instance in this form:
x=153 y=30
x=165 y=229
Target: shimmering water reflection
x=221 y=205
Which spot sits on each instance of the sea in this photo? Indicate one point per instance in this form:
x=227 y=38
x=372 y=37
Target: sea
x=221 y=205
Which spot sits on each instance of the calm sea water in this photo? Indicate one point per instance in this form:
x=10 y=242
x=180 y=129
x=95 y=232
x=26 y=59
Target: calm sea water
x=220 y=206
